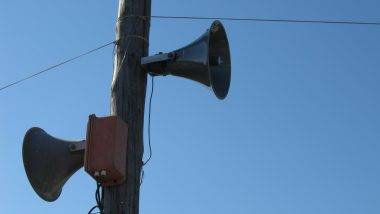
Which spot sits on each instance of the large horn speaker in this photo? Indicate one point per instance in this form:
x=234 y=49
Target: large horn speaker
x=206 y=60
x=49 y=162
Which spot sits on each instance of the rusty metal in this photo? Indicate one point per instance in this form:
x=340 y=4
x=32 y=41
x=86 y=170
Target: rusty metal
x=106 y=149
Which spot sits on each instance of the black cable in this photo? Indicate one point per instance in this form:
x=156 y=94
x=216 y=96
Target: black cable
x=92 y=209
x=310 y=21
x=142 y=175
x=99 y=195
x=56 y=65
x=347 y=22
x=270 y=20
x=150 y=109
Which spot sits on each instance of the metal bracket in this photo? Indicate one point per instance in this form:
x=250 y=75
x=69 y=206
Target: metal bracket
x=157 y=63
x=77 y=146
x=161 y=57
x=158 y=58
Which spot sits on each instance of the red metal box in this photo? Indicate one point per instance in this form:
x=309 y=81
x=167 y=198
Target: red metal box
x=106 y=149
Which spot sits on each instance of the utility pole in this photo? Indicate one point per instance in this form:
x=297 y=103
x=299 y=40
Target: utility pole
x=128 y=99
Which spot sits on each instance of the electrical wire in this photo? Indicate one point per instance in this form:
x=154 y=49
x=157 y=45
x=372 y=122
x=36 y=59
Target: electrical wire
x=149 y=117
x=310 y=21
x=142 y=174
x=118 y=70
x=113 y=68
x=99 y=195
x=55 y=66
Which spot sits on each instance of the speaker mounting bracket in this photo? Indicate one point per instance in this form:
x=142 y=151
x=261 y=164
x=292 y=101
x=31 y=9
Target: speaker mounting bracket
x=156 y=64
x=77 y=146
x=158 y=58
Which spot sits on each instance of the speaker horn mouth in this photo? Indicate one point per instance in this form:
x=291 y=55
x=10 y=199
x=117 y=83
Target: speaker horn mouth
x=29 y=152
x=219 y=60
x=48 y=162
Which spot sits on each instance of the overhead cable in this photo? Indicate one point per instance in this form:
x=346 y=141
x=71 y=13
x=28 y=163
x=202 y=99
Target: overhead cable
x=55 y=66
x=309 y=21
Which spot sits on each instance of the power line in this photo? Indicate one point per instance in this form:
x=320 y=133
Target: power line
x=55 y=66
x=342 y=22
x=99 y=195
x=309 y=21
x=149 y=115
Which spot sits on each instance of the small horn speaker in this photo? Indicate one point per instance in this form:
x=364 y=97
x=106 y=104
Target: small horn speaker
x=49 y=162
x=206 y=60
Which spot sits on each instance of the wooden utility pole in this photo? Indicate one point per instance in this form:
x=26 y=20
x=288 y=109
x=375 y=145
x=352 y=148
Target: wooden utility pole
x=128 y=99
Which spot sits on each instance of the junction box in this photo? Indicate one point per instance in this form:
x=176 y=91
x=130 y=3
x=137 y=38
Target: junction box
x=106 y=149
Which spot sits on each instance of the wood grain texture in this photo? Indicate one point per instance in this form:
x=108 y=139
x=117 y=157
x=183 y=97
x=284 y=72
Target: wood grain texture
x=128 y=100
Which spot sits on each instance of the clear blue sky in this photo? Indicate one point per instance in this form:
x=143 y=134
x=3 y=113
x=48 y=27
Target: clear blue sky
x=299 y=132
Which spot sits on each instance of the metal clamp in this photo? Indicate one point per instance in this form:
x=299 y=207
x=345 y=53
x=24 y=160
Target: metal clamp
x=77 y=146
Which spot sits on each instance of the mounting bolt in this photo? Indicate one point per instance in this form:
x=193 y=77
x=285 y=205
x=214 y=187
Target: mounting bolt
x=72 y=147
